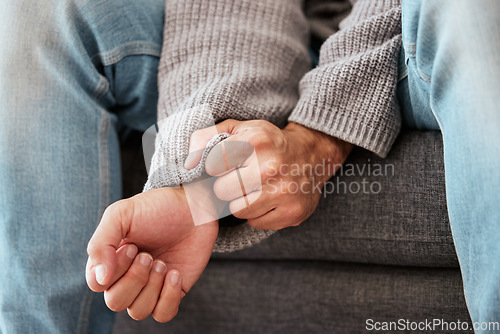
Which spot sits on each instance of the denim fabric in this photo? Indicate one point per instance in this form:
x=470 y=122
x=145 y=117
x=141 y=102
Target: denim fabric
x=453 y=73
x=70 y=73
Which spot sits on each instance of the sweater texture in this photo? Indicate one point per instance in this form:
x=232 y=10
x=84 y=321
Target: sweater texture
x=248 y=59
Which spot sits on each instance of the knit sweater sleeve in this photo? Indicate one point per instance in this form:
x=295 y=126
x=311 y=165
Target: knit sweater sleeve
x=351 y=94
x=239 y=59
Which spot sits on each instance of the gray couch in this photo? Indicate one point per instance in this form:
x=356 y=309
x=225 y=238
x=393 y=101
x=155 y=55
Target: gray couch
x=383 y=255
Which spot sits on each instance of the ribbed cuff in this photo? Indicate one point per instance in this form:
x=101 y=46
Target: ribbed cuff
x=235 y=238
x=378 y=141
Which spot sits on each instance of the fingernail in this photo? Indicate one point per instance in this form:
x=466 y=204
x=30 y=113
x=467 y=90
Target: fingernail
x=159 y=267
x=174 y=278
x=192 y=159
x=189 y=161
x=100 y=273
x=131 y=251
x=145 y=259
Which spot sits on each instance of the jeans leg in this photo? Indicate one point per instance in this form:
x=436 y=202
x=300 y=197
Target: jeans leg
x=69 y=72
x=451 y=52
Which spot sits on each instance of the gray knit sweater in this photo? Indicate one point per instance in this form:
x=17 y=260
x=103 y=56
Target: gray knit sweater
x=248 y=59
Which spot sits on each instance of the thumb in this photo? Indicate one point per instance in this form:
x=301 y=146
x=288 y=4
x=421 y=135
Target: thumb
x=102 y=246
x=200 y=138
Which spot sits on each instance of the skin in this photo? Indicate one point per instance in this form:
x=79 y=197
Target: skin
x=159 y=222
x=277 y=195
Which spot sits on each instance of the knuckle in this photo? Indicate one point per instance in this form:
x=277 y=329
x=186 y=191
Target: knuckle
x=252 y=200
x=92 y=248
x=279 y=141
x=113 y=209
x=228 y=122
x=252 y=137
x=259 y=138
x=195 y=136
x=140 y=277
x=297 y=211
x=270 y=168
x=262 y=123
x=238 y=212
x=138 y=274
x=117 y=209
x=219 y=190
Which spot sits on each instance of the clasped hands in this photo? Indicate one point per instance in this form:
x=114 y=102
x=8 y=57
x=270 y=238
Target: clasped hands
x=147 y=253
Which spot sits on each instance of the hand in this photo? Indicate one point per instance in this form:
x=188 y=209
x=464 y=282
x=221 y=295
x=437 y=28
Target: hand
x=158 y=222
x=281 y=183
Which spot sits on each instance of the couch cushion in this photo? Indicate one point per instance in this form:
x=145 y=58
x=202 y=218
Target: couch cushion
x=309 y=297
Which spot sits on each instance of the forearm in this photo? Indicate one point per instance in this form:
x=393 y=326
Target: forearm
x=351 y=94
x=220 y=60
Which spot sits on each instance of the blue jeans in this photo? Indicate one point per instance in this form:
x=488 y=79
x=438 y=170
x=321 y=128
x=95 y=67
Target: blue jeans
x=72 y=72
x=450 y=80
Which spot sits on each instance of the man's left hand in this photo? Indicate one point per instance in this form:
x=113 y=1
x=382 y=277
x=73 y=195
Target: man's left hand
x=281 y=184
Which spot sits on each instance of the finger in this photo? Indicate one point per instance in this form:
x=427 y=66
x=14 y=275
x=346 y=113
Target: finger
x=170 y=298
x=251 y=206
x=277 y=219
x=145 y=303
x=239 y=182
x=124 y=255
x=102 y=246
x=193 y=158
x=227 y=155
x=200 y=138
x=123 y=293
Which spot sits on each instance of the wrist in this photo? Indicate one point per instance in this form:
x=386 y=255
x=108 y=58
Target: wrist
x=318 y=148
x=204 y=206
